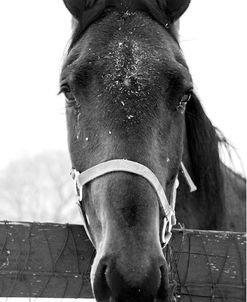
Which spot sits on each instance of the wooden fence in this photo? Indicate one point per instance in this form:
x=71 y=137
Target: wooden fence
x=54 y=260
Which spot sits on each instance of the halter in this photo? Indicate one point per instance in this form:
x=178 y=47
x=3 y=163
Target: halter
x=123 y=165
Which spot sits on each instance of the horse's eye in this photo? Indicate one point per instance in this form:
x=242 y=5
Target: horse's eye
x=70 y=98
x=183 y=102
x=186 y=97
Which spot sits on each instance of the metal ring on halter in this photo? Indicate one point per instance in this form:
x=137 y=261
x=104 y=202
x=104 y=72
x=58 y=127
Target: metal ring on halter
x=78 y=188
x=169 y=222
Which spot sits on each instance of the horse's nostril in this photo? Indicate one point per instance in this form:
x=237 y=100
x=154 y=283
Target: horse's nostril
x=101 y=289
x=164 y=284
x=122 y=287
x=142 y=280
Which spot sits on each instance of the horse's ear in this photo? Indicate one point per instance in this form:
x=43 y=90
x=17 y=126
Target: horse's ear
x=76 y=7
x=84 y=11
x=176 y=8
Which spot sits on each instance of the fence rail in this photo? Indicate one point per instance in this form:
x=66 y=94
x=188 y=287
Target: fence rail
x=54 y=260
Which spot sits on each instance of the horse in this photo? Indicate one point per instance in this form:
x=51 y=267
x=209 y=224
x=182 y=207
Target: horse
x=139 y=141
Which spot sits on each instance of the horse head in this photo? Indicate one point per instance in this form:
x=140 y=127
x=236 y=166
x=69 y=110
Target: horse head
x=126 y=85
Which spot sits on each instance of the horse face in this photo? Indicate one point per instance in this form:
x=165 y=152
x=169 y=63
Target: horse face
x=126 y=86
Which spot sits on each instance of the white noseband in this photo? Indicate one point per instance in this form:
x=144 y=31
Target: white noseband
x=123 y=165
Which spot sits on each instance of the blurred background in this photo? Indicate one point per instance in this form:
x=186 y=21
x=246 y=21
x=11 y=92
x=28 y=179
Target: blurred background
x=35 y=184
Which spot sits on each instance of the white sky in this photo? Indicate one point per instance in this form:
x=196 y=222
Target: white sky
x=33 y=38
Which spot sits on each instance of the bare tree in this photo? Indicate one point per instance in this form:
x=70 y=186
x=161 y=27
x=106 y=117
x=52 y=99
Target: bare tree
x=38 y=189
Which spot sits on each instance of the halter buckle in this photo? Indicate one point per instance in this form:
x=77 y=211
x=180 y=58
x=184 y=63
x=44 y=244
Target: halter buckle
x=168 y=224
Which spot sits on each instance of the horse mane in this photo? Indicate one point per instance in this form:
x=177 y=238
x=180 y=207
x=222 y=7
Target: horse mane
x=203 y=147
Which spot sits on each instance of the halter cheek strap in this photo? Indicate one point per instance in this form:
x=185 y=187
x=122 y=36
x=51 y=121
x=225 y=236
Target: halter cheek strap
x=122 y=165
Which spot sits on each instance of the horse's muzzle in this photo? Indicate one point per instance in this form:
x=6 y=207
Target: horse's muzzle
x=133 y=283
